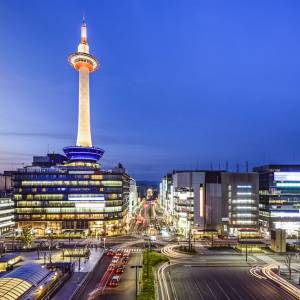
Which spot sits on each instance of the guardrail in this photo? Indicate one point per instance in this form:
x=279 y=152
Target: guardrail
x=85 y=280
x=56 y=286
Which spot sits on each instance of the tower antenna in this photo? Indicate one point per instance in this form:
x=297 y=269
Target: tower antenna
x=83 y=19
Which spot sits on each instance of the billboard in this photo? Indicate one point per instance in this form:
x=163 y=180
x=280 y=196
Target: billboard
x=286 y=176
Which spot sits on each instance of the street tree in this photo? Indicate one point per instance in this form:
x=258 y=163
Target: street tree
x=287 y=262
x=26 y=238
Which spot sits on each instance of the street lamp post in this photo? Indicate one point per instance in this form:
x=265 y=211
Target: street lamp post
x=196 y=225
x=13 y=245
x=70 y=235
x=136 y=278
x=246 y=244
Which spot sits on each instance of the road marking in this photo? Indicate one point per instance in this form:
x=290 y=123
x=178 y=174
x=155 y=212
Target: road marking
x=253 y=258
x=233 y=289
x=187 y=265
x=221 y=289
x=210 y=289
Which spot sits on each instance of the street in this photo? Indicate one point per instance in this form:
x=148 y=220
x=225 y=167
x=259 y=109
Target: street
x=98 y=288
x=207 y=281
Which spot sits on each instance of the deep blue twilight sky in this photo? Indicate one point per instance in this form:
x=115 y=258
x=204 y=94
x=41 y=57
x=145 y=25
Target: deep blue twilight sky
x=177 y=79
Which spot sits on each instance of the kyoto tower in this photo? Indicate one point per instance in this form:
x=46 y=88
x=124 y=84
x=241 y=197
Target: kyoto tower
x=85 y=63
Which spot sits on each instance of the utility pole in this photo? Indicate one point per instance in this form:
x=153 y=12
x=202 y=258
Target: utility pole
x=136 y=279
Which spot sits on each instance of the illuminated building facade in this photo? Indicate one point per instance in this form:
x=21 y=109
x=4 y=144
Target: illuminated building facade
x=6 y=214
x=240 y=199
x=61 y=198
x=74 y=194
x=279 y=197
x=210 y=200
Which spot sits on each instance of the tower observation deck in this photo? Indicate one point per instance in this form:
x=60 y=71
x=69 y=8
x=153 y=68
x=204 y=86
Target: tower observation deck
x=85 y=63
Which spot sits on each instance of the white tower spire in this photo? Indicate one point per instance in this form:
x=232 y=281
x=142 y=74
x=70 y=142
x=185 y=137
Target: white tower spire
x=85 y=63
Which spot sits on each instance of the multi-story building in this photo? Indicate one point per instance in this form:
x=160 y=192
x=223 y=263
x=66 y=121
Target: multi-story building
x=143 y=189
x=6 y=215
x=5 y=185
x=240 y=201
x=165 y=188
x=203 y=199
x=62 y=197
x=133 y=195
x=279 y=197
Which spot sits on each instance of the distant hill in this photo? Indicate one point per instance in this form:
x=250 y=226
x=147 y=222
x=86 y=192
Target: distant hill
x=149 y=183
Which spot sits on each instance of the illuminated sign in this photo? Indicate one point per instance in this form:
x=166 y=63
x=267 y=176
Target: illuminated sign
x=288 y=184
x=201 y=200
x=86 y=198
x=286 y=176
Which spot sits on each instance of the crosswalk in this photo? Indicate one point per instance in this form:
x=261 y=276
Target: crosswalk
x=133 y=250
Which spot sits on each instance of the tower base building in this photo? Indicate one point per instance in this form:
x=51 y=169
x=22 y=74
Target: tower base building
x=60 y=198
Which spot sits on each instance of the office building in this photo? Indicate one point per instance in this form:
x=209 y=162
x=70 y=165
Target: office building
x=212 y=200
x=6 y=215
x=240 y=201
x=279 y=197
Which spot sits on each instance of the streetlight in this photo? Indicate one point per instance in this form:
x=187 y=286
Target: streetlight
x=246 y=230
x=136 y=286
x=195 y=225
x=71 y=230
x=13 y=229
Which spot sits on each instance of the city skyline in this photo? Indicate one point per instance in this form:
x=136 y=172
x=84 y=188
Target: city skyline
x=176 y=82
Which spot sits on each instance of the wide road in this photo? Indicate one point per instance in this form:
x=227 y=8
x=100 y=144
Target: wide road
x=98 y=288
x=208 y=281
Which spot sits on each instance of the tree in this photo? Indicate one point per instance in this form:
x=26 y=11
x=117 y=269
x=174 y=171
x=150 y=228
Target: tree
x=26 y=238
x=50 y=240
x=115 y=228
x=219 y=228
x=287 y=262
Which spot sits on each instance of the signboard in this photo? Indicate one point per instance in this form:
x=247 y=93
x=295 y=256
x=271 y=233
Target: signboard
x=286 y=176
x=153 y=238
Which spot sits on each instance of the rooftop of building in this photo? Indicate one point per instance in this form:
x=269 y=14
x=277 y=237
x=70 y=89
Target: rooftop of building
x=16 y=283
x=277 y=167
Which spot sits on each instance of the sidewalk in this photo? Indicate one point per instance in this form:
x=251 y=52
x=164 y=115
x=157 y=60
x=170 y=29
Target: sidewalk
x=30 y=258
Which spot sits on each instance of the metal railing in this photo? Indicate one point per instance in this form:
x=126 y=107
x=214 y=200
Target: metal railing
x=85 y=280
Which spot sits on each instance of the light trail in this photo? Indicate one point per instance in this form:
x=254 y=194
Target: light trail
x=266 y=273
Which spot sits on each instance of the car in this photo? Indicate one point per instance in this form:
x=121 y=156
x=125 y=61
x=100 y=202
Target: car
x=206 y=237
x=111 y=267
x=220 y=236
x=110 y=253
x=119 y=252
x=115 y=281
x=125 y=260
x=115 y=259
x=120 y=269
x=231 y=236
x=126 y=254
x=164 y=228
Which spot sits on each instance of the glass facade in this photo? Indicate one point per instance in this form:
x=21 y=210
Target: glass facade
x=279 y=197
x=62 y=200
